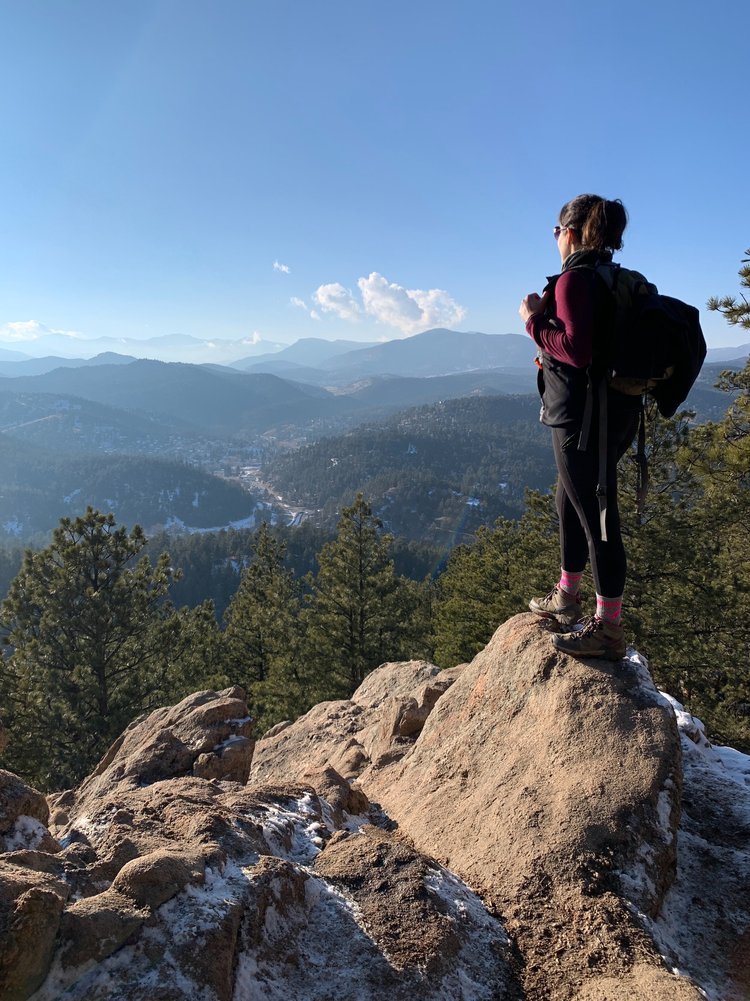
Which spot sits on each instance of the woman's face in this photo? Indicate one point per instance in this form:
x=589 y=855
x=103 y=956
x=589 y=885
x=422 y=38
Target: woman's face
x=567 y=241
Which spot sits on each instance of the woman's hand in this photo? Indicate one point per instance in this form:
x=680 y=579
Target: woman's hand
x=530 y=304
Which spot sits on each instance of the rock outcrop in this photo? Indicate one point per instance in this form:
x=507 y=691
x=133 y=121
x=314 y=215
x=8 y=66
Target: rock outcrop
x=551 y=786
x=505 y=829
x=171 y=878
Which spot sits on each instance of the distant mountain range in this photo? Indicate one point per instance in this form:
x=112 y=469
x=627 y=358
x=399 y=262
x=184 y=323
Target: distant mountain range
x=436 y=352
x=212 y=401
x=64 y=430
x=170 y=347
x=309 y=359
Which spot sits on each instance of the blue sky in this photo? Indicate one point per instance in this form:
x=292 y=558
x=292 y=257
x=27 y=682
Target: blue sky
x=402 y=164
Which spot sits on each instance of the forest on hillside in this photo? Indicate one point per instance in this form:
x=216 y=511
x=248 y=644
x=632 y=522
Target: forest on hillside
x=433 y=474
x=93 y=636
x=40 y=485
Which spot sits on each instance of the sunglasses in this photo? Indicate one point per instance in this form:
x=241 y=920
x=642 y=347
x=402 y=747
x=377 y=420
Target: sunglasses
x=559 y=229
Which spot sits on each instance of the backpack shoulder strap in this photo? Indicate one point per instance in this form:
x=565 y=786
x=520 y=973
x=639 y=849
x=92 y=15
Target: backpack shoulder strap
x=609 y=274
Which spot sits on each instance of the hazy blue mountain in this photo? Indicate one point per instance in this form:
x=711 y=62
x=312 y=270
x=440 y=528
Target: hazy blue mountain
x=435 y=352
x=190 y=396
x=6 y=354
x=38 y=366
x=169 y=347
x=738 y=355
x=291 y=370
x=312 y=351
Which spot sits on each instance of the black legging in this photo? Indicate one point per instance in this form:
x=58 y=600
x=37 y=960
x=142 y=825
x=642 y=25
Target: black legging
x=578 y=507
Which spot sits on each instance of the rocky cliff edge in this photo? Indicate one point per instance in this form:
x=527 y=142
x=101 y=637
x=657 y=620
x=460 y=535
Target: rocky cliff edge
x=512 y=828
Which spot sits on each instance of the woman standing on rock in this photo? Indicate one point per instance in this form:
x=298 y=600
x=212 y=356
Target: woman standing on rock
x=568 y=322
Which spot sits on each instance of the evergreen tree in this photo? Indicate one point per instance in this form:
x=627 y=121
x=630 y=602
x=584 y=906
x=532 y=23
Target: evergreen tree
x=489 y=581
x=261 y=639
x=354 y=615
x=687 y=601
x=720 y=461
x=736 y=313
x=90 y=643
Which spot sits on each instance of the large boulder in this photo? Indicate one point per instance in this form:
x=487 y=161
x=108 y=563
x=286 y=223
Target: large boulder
x=550 y=785
x=534 y=762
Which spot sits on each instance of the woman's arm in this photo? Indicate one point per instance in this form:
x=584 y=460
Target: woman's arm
x=571 y=339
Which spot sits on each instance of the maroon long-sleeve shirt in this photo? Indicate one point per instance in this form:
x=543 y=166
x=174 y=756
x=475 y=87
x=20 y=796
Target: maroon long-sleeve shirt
x=571 y=339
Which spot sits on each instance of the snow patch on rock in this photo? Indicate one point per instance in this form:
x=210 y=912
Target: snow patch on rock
x=296 y=832
x=27 y=833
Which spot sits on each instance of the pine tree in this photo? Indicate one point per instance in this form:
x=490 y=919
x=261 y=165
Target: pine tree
x=90 y=643
x=736 y=313
x=261 y=640
x=720 y=460
x=687 y=601
x=354 y=616
x=489 y=581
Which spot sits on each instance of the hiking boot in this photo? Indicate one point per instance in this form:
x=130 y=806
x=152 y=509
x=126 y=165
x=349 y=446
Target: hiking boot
x=559 y=605
x=598 y=638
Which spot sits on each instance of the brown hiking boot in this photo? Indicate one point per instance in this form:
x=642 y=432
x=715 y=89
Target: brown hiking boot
x=558 y=605
x=598 y=638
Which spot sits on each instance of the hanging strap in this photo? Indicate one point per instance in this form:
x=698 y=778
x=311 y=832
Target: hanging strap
x=583 y=442
x=601 y=486
x=588 y=410
x=642 y=464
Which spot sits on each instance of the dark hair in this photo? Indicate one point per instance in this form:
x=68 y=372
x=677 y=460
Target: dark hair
x=601 y=223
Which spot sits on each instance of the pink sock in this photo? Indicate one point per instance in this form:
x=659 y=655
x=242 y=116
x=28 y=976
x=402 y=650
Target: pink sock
x=609 y=609
x=569 y=581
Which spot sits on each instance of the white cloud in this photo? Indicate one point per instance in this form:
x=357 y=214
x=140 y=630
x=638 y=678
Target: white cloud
x=409 y=310
x=255 y=338
x=314 y=314
x=32 y=330
x=334 y=298
x=283 y=268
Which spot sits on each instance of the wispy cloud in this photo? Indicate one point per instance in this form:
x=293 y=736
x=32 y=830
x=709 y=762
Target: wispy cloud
x=283 y=268
x=32 y=330
x=334 y=298
x=301 y=304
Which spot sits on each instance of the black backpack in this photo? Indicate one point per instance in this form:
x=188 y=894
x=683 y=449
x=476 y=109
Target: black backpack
x=656 y=345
